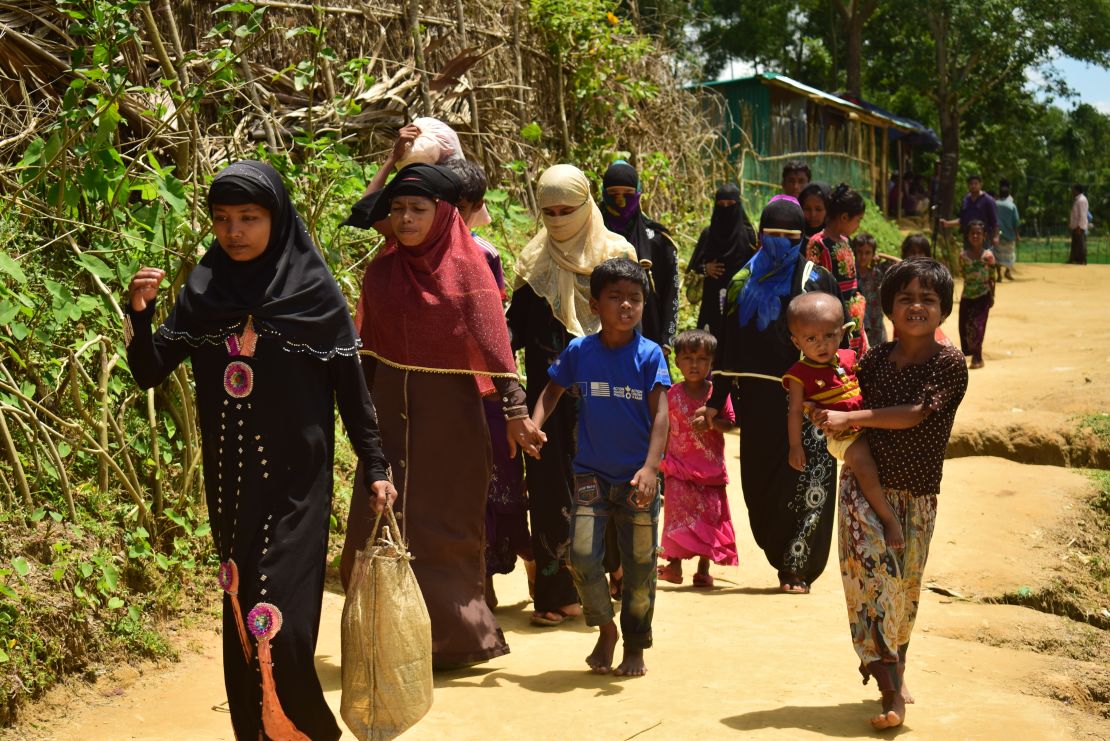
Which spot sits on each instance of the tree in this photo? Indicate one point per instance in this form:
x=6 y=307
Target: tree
x=855 y=14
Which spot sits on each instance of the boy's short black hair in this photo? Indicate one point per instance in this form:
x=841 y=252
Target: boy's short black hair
x=796 y=166
x=613 y=270
x=974 y=176
x=865 y=238
x=844 y=200
x=472 y=177
x=977 y=224
x=916 y=243
x=928 y=272
x=693 y=340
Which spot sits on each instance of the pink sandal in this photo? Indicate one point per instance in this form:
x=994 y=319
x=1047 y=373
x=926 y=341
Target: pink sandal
x=667 y=574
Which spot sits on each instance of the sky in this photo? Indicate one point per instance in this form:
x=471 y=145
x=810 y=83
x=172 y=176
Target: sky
x=1090 y=82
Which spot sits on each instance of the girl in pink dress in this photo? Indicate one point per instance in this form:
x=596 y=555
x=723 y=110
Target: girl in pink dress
x=696 y=519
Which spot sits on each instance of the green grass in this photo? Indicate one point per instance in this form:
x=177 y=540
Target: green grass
x=1056 y=249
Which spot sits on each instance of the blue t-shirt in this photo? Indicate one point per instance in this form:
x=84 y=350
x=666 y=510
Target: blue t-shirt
x=614 y=420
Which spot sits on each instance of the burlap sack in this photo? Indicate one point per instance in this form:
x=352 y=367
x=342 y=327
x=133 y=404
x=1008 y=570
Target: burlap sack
x=387 y=641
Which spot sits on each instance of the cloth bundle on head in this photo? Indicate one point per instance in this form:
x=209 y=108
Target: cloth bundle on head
x=434 y=306
x=438 y=143
x=288 y=289
x=622 y=212
x=558 y=261
x=730 y=236
x=772 y=268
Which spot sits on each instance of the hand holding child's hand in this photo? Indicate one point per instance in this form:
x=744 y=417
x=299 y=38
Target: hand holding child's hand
x=646 y=482
x=797 y=458
x=382 y=495
x=714 y=268
x=524 y=434
x=703 y=418
x=144 y=287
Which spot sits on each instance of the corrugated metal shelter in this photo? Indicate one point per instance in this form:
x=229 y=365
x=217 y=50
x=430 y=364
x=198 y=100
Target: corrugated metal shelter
x=770 y=118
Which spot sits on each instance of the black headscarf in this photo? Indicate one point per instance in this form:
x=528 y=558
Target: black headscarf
x=417 y=179
x=730 y=236
x=623 y=215
x=288 y=289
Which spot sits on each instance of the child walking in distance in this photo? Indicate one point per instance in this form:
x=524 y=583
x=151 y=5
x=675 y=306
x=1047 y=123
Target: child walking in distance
x=825 y=378
x=621 y=379
x=870 y=269
x=911 y=389
x=696 y=518
x=831 y=250
x=978 y=294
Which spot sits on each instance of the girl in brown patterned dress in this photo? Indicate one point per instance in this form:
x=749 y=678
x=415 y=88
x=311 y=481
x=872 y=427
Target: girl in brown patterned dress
x=912 y=387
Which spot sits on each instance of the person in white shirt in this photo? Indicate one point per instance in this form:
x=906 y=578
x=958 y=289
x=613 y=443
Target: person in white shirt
x=1078 y=223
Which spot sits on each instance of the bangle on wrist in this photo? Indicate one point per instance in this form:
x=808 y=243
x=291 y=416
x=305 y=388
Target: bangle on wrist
x=515 y=412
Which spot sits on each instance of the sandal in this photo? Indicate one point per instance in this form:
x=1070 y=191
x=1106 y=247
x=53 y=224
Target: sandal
x=703 y=580
x=666 y=573
x=542 y=619
x=794 y=586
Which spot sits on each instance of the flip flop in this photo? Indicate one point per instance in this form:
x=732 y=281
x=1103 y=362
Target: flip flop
x=666 y=574
x=540 y=618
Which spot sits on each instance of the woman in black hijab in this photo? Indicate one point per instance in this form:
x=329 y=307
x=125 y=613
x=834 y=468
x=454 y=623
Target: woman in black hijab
x=273 y=349
x=620 y=207
x=723 y=248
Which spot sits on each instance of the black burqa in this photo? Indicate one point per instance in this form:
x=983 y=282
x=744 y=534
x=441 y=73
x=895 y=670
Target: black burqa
x=729 y=239
x=654 y=249
x=791 y=512
x=267 y=421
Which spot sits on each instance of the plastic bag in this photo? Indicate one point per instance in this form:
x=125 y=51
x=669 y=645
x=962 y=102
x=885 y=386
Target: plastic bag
x=386 y=640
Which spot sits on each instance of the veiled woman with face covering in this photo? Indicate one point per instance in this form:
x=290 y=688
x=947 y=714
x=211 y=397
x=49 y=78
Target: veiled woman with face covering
x=723 y=248
x=550 y=305
x=273 y=349
x=790 y=512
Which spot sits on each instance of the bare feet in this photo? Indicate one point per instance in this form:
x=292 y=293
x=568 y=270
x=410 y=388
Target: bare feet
x=632 y=665
x=975 y=364
x=671 y=571
x=530 y=570
x=601 y=660
x=906 y=695
x=894 y=711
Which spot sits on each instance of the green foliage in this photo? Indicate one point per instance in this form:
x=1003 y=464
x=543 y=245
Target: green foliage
x=598 y=53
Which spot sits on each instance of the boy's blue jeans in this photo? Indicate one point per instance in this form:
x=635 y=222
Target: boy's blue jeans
x=595 y=501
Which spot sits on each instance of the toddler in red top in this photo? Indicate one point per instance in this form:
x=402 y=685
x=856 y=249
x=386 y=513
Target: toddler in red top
x=825 y=378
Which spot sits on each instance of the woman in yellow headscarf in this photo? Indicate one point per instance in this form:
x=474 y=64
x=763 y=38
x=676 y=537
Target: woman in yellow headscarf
x=551 y=304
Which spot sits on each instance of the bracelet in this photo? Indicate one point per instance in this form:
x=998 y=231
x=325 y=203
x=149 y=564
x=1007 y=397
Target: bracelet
x=517 y=412
x=128 y=330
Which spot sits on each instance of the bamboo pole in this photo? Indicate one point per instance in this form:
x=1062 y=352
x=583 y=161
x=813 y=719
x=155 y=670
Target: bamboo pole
x=473 y=97
x=412 y=20
x=17 y=465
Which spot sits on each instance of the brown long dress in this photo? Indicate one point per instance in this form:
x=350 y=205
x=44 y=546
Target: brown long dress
x=434 y=434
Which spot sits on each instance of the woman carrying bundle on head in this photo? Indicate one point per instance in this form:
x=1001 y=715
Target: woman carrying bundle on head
x=435 y=343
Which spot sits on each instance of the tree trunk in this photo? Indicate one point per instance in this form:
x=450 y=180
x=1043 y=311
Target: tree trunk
x=855 y=51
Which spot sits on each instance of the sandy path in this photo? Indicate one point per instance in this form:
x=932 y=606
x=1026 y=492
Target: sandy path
x=742 y=657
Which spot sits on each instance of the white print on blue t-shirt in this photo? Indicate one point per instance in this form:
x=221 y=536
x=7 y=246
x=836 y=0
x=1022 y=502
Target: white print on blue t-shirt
x=614 y=420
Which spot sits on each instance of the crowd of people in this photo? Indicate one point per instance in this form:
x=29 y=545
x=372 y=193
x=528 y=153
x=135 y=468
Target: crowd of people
x=570 y=470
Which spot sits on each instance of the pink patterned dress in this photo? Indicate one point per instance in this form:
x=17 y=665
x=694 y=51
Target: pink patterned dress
x=696 y=518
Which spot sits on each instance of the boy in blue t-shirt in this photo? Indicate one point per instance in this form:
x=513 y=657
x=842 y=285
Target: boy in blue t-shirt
x=622 y=380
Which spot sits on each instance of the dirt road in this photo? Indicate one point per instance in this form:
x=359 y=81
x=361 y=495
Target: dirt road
x=743 y=657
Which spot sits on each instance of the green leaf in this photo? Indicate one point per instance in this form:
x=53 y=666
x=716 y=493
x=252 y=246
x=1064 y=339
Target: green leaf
x=3 y=657
x=64 y=450
x=531 y=132
x=8 y=311
x=38 y=514
x=111 y=577
x=172 y=191
x=175 y=518
x=22 y=568
x=58 y=573
x=11 y=267
x=235 y=8
x=86 y=570
x=162 y=561
x=19 y=331
x=114 y=603
x=96 y=266
x=203 y=529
